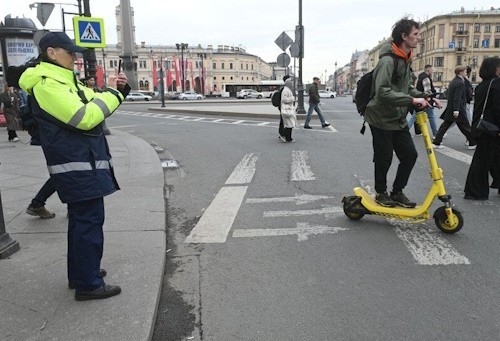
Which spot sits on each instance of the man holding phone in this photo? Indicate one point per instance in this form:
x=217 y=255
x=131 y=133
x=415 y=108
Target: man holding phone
x=77 y=155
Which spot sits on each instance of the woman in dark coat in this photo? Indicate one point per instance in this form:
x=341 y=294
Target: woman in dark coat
x=487 y=156
x=10 y=102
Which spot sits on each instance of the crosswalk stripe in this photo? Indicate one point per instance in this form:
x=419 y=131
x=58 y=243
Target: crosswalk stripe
x=301 y=171
x=455 y=154
x=244 y=171
x=297 y=213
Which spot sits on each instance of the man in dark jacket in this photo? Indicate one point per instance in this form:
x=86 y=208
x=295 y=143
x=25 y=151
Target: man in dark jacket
x=424 y=84
x=456 y=111
x=386 y=113
x=314 y=101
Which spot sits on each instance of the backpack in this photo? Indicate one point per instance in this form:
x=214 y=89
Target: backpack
x=365 y=91
x=29 y=123
x=276 y=98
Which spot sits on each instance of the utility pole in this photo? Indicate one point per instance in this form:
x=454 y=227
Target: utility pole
x=89 y=54
x=182 y=47
x=300 y=85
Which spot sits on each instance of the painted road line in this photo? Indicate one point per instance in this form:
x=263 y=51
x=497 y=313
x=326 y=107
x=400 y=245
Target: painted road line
x=425 y=247
x=215 y=224
x=244 y=171
x=264 y=123
x=299 y=199
x=455 y=154
x=303 y=231
x=332 y=129
x=325 y=210
x=237 y=122
x=198 y=119
x=301 y=171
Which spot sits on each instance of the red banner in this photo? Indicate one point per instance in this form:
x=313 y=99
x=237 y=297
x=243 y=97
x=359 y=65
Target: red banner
x=169 y=79
x=190 y=64
x=177 y=72
x=99 y=77
x=155 y=75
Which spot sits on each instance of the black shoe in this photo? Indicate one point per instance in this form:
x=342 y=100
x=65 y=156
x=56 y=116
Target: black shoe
x=102 y=274
x=402 y=200
x=326 y=125
x=98 y=294
x=471 y=197
x=307 y=127
x=385 y=200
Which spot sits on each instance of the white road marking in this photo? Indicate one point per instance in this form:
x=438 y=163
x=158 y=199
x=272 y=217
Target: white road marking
x=425 y=247
x=264 y=123
x=325 y=210
x=244 y=171
x=215 y=224
x=303 y=231
x=238 y=122
x=455 y=154
x=300 y=199
x=198 y=119
x=332 y=129
x=301 y=171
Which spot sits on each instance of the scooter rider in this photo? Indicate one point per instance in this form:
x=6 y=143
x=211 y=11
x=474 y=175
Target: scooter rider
x=386 y=113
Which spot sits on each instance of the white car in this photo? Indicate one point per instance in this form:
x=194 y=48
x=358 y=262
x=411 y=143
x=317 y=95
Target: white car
x=137 y=96
x=327 y=94
x=249 y=93
x=190 y=95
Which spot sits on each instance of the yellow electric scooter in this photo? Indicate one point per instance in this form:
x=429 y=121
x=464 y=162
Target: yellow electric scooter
x=447 y=218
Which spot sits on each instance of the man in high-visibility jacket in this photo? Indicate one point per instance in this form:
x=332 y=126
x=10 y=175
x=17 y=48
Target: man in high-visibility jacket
x=70 y=117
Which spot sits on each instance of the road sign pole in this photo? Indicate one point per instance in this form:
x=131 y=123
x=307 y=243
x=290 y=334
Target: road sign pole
x=300 y=85
x=90 y=61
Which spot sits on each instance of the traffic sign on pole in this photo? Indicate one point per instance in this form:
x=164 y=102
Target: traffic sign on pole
x=283 y=41
x=89 y=32
x=43 y=11
x=283 y=60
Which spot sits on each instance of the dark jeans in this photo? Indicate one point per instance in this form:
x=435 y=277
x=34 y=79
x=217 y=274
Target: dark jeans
x=85 y=243
x=285 y=132
x=485 y=160
x=44 y=193
x=384 y=143
x=463 y=126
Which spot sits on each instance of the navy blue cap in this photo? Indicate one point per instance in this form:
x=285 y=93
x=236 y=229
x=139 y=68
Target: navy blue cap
x=59 y=39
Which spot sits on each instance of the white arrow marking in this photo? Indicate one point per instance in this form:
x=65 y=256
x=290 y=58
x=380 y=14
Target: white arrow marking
x=300 y=166
x=325 y=210
x=303 y=231
x=300 y=199
x=244 y=171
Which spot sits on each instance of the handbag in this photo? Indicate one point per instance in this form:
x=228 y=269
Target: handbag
x=483 y=126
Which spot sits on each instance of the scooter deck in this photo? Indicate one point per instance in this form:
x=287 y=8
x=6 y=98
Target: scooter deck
x=418 y=212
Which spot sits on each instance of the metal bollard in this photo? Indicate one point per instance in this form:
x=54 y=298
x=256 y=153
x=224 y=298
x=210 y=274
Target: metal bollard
x=7 y=245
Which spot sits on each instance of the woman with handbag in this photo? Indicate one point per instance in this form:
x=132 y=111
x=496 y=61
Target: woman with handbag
x=486 y=127
x=288 y=111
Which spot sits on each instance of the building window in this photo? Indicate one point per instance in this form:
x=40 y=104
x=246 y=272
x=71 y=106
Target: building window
x=100 y=62
x=460 y=43
x=242 y=66
x=247 y=66
x=477 y=28
x=113 y=63
x=439 y=61
x=247 y=78
x=485 y=43
x=241 y=78
x=215 y=78
x=460 y=28
x=487 y=27
x=214 y=66
x=473 y=77
x=142 y=64
x=497 y=28
x=169 y=64
x=252 y=66
x=497 y=43
x=222 y=66
x=223 y=78
x=231 y=66
x=438 y=76
x=475 y=44
x=459 y=60
x=231 y=77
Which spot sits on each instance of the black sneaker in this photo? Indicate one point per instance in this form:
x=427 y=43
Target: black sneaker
x=98 y=294
x=385 y=200
x=102 y=274
x=326 y=125
x=402 y=200
x=307 y=127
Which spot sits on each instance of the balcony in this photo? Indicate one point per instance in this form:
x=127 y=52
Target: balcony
x=462 y=33
x=460 y=49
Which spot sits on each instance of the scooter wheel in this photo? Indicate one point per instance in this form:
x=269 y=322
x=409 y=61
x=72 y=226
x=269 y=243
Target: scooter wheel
x=447 y=225
x=352 y=207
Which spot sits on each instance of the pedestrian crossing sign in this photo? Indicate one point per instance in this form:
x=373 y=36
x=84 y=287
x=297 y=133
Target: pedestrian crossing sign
x=89 y=32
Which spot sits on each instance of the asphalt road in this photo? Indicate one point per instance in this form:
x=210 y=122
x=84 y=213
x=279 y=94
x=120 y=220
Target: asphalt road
x=259 y=248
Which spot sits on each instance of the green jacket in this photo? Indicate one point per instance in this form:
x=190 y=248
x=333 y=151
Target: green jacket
x=393 y=95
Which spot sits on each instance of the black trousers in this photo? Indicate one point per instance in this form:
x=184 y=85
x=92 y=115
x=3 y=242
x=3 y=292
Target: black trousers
x=44 y=193
x=285 y=132
x=486 y=160
x=385 y=142
x=464 y=127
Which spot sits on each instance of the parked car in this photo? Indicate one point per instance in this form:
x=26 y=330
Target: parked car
x=327 y=94
x=249 y=93
x=172 y=95
x=190 y=95
x=137 y=96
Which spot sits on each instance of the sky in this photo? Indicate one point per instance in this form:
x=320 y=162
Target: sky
x=334 y=29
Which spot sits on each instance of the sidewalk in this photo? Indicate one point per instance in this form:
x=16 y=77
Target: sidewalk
x=35 y=302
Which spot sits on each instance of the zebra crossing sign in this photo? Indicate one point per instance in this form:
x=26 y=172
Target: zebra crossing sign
x=89 y=32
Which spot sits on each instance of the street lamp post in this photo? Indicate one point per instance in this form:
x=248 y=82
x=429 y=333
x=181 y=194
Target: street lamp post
x=7 y=245
x=162 y=86
x=182 y=47
x=300 y=85
x=335 y=78
x=202 y=56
